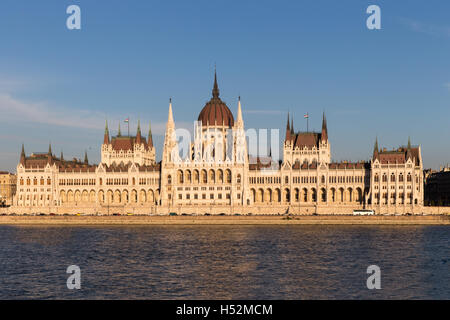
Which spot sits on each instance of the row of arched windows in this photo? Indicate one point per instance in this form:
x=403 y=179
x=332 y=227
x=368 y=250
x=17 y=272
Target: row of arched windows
x=35 y=181
x=308 y=195
x=204 y=176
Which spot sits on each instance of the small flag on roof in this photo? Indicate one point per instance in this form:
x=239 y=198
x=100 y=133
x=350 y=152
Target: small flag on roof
x=306 y=116
x=127 y=120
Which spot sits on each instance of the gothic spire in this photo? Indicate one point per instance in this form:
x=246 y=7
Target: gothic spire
x=324 y=128
x=408 y=151
x=118 y=132
x=170 y=117
x=49 y=154
x=288 y=129
x=375 y=149
x=239 y=113
x=150 y=138
x=22 y=155
x=138 y=134
x=106 y=135
x=86 y=161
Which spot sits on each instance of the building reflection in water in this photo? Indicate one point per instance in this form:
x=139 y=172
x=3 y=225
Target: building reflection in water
x=226 y=262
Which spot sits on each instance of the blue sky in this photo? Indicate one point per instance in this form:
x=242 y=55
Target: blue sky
x=130 y=57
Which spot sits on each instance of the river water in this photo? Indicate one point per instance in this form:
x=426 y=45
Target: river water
x=225 y=262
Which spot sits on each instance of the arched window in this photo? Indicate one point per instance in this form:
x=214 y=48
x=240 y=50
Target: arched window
x=238 y=179
x=169 y=179
x=314 y=195
x=189 y=176
x=228 y=175
x=196 y=176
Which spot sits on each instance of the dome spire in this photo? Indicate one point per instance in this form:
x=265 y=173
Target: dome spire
x=215 y=91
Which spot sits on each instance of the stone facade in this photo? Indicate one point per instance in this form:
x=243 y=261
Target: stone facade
x=7 y=188
x=217 y=175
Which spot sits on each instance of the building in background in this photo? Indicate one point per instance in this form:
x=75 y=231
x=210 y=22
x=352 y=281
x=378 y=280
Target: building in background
x=7 y=188
x=217 y=174
x=437 y=187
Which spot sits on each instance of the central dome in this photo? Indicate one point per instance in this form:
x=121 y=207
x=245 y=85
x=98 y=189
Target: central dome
x=216 y=112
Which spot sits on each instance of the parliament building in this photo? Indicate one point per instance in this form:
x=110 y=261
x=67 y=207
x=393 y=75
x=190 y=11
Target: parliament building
x=218 y=176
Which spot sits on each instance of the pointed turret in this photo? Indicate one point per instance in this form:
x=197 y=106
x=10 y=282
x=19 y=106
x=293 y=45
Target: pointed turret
x=106 y=135
x=324 y=128
x=49 y=153
x=375 y=149
x=170 y=116
x=22 y=155
x=138 y=134
x=288 y=130
x=118 y=132
x=150 y=138
x=239 y=113
x=408 y=151
x=86 y=161
x=62 y=156
x=170 y=142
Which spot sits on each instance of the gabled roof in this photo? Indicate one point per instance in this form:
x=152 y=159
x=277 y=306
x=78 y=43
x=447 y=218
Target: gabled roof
x=126 y=143
x=399 y=156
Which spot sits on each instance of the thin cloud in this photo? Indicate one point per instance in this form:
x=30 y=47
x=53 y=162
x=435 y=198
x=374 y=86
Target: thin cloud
x=16 y=110
x=13 y=110
x=425 y=28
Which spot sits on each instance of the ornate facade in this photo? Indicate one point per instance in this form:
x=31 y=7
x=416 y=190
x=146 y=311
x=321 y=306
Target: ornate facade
x=217 y=175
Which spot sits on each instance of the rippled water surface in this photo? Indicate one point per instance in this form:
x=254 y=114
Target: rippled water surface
x=225 y=262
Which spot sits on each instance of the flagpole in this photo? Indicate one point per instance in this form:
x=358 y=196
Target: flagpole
x=128 y=125
x=307 y=122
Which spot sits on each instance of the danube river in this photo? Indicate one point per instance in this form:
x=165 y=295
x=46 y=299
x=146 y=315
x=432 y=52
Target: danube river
x=225 y=262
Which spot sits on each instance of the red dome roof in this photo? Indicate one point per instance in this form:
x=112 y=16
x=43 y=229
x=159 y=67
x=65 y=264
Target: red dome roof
x=216 y=112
